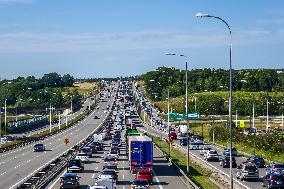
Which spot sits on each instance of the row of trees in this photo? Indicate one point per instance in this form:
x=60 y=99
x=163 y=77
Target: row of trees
x=30 y=92
x=265 y=144
x=158 y=81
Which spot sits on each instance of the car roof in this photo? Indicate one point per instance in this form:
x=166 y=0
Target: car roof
x=144 y=170
x=70 y=175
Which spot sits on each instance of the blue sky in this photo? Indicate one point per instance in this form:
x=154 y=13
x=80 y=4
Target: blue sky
x=109 y=38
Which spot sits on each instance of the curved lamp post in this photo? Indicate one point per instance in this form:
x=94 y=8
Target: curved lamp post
x=186 y=105
x=230 y=98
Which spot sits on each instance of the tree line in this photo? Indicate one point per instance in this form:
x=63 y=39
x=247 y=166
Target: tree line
x=37 y=93
x=208 y=90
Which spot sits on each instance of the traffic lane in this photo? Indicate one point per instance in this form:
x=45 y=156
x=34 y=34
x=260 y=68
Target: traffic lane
x=10 y=154
x=91 y=171
x=12 y=178
x=13 y=156
x=240 y=159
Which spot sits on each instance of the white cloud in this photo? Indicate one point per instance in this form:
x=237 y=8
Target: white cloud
x=23 y=42
x=271 y=21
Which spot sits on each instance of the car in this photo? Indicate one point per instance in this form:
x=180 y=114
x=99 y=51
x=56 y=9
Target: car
x=75 y=165
x=145 y=174
x=83 y=157
x=172 y=135
x=211 y=155
x=69 y=180
x=183 y=141
x=247 y=171
x=96 y=117
x=204 y=150
x=273 y=180
x=112 y=172
x=275 y=167
x=93 y=147
x=39 y=148
x=87 y=150
x=110 y=160
x=194 y=145
x=113 y=152
x=259 y=161
x=106 y=177
x=226 y=152
x=136 y=183
x=225 y=162
x=98 y=145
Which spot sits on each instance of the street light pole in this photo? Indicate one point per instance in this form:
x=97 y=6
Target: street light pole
x=186 y=105
x=267 y=116
x=169 y=122
x=231 y=89
x=5 y=116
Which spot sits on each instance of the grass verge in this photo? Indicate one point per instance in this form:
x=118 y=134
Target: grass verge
x=197 y=174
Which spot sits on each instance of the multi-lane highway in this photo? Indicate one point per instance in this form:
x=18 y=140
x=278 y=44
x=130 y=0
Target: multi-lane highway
x=17 y=165
x=195 y=154
x=165 y=175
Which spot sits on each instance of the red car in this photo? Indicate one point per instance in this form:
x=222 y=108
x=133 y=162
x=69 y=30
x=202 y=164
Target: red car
x=145 y=174
x=173 y=135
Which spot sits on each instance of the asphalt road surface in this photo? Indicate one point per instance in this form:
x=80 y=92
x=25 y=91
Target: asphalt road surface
x=165 y=175
x=18 y=164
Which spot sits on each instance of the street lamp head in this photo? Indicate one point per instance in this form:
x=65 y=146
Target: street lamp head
x=171 y=54
x=202 y=15
x=182 y=55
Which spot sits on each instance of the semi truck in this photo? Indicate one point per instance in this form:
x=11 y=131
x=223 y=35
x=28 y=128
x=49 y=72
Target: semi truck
x=183 y=130
x=140 y=153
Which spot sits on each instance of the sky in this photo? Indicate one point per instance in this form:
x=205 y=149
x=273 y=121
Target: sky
x=110 y=38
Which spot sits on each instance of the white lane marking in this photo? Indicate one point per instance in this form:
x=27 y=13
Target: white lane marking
x=123 y=176
x=93 y=176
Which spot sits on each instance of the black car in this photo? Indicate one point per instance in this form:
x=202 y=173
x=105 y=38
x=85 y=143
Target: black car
x=273 y=180
x=69 y=180
x=225 y=162
x=39 y=148
x=98 y=145
x=75 y=165
x=96 y=117
x=259 y=161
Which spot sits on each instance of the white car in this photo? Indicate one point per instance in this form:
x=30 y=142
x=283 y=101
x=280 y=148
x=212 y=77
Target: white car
x=83 y=157
x=204 y=150
x=212 y=155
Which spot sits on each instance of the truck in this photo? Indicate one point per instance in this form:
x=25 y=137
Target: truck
x=183 y=130
x=140 y=153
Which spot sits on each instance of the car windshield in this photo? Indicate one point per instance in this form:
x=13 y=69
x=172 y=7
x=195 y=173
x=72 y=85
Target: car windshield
x=213 y=152
x=144 y=173
x=279 y=166
x=69 y=178
x=140 y=182
x=251 y=168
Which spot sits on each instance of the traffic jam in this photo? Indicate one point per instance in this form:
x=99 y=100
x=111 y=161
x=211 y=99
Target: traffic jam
x=248 y=169
x=119 y=142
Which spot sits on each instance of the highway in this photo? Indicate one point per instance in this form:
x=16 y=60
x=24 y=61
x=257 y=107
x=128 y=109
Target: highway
x=85 y=105
x=195 y=154
x=17 y=165
x=165 y=175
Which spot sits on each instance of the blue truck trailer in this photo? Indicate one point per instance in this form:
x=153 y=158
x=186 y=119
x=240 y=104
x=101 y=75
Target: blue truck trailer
x=140 y=153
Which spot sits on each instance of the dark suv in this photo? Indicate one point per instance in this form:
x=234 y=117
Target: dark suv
x=259 y=161
x=39 y=148
x=225 y=162
x=273 y=180
x=70 y=180
x=75 y=165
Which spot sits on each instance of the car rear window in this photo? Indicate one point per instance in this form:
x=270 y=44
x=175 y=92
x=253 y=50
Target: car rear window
x=281 y=166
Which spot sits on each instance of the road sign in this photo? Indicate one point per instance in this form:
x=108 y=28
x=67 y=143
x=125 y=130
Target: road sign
x=66 y=140
x=242 y=124
x=192 y=116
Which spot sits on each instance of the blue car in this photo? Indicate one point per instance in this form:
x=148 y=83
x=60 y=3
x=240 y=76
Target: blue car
x=183 y=141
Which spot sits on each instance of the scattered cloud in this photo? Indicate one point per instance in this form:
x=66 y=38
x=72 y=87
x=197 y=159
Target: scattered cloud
x=24 y=42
